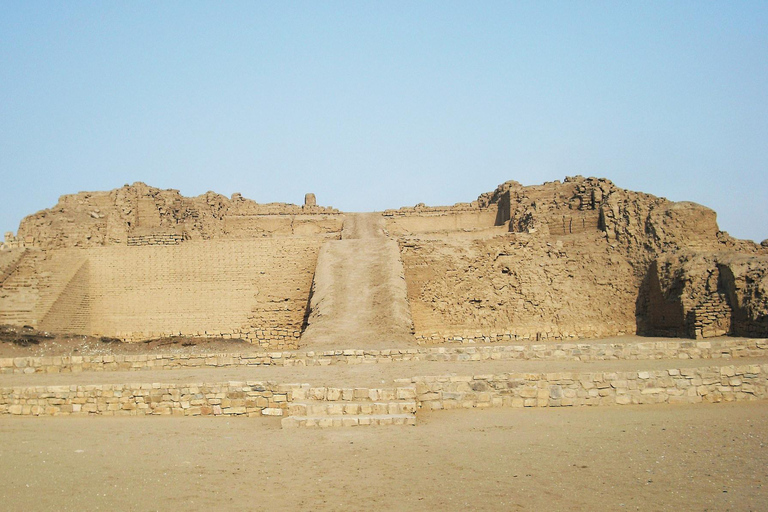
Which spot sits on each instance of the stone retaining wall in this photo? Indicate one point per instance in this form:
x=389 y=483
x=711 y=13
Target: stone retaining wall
x=228 y=399
x=684 y=385
x=465 y=338
x=275 y=338
x=668 y=349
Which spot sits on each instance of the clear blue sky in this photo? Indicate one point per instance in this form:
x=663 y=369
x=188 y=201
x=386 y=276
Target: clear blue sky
x=375 y=105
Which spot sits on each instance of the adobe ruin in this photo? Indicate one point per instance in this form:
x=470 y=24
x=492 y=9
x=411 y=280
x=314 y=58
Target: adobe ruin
x=581 y=258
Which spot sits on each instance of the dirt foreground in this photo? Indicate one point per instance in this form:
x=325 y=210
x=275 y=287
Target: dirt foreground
x=704 y=457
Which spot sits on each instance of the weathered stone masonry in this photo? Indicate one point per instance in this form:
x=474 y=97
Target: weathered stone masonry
x=562 y=389
x=589 y=351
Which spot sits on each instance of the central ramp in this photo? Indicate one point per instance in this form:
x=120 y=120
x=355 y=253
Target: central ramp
x=358 y=294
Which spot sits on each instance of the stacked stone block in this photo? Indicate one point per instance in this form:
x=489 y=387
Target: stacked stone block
x=673 y=386
x=348 y=407
x=721 y=349
x=711 y=318
x=200 y=399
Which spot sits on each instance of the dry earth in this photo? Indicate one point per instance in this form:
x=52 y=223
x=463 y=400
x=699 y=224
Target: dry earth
x=707 y=457
x=359 y=296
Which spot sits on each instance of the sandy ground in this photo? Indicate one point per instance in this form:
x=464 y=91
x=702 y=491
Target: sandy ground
x=708 y=457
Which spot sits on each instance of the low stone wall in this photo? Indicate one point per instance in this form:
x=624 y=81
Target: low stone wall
x=562 y=389
x=473 y=338
x=145 y=399
x=595 y=351
x=684 y=385
x=274 y=338
x=227 y=399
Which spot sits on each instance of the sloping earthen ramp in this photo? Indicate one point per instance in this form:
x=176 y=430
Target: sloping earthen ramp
x=359 y=294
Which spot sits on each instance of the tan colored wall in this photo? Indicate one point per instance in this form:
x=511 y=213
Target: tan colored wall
x=71 y=311
x=20 y=291
x=35 y=285
x=9 y=260
x=399 y=224
x=572 y=265
x=250 y=226
x=251 y=289
x=520 y=286
x=90 y=219
x=222 y=287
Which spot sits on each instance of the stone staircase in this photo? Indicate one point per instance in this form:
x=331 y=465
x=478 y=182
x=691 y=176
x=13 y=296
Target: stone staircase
x=337 y=407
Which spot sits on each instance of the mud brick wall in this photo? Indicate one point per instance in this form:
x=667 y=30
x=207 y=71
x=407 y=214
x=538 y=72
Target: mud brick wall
x=223 y=288
x=250 y=289
x=684 y=385
x=158 y=239
x=435 y=219
x=20 y=291
x=9 y=260
x=518 y=287
x=711 y=318
x=71 y=311
x=30 y=293
x=571 y=222
x=250 y=226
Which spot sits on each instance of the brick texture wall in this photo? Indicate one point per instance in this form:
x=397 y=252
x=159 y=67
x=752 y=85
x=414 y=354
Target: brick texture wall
x=252 y=289
x=256 y=289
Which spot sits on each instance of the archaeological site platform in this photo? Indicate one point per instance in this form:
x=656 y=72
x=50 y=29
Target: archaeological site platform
x=568 y=293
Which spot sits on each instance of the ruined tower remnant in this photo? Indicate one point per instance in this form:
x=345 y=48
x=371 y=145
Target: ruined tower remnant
x=310 y=200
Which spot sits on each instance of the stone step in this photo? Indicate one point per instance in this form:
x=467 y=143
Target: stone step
x=317 y=408
x=335 y=394
x=348 y=420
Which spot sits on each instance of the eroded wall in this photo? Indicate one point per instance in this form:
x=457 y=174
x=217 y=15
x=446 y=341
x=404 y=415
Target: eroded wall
x=518 y=285
x=93 y=219
x=578 y=258
x=577 y=261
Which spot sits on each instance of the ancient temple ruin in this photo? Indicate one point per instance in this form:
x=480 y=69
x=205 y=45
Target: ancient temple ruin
x=581 y=258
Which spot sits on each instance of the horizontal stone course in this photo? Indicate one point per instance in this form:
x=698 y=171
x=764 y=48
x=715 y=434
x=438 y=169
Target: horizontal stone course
x=723 y=383
x=686 y=385
x=142 y=399
x=723 y=348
